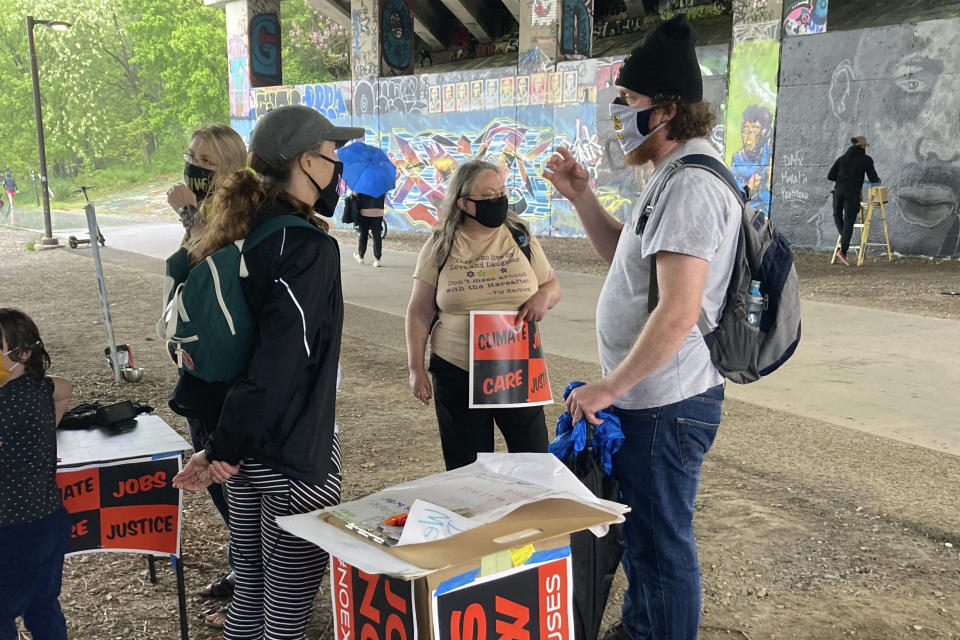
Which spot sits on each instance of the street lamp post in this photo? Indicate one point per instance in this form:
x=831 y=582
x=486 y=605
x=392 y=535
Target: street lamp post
x=48 y=238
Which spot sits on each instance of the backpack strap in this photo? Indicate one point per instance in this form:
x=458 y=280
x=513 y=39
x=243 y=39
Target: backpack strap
x=257 y=235
x=697 y=161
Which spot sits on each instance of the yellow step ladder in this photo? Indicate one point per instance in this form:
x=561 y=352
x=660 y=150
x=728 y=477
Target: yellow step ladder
x=876 y=196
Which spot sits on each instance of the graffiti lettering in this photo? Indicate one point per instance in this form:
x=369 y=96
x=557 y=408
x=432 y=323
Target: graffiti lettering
x=265 y=100
x=265 y=50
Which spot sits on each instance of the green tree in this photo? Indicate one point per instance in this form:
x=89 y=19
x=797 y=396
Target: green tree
x=314 y=47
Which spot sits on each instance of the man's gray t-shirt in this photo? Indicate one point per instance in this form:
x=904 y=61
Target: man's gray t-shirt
x=697 y=215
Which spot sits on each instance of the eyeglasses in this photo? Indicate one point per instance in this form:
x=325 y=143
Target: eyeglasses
x=199 y=160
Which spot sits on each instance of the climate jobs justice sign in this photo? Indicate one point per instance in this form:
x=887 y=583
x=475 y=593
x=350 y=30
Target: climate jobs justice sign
x=507 y=367
x=124 y=506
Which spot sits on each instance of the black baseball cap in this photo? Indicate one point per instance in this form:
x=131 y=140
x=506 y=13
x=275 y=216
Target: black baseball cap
x=286 y=132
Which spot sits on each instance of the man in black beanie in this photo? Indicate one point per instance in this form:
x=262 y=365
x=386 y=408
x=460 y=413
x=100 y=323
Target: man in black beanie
x=658 y=375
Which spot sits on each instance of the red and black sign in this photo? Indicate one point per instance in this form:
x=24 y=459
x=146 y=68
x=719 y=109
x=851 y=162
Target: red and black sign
x=370 y=606
x=130 y=506
x=533 y=604
x=507 y=368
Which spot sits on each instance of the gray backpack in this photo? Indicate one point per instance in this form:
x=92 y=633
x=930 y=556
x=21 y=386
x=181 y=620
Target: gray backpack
x=740 y=351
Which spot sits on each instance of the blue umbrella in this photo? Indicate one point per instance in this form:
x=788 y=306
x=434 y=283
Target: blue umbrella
x=367 y=169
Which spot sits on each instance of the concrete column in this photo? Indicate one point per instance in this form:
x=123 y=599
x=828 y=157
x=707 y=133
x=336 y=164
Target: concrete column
x=364 y=38
x=253 y=50
x=539 y=24
x=752 y=96
x=576 y=29
x=396 y=37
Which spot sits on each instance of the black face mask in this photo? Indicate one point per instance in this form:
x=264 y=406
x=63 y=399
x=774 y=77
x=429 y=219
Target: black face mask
x=328 y=196
x=491 y=212
x=199 y=180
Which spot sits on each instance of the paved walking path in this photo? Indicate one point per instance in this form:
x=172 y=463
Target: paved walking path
x=890 y=374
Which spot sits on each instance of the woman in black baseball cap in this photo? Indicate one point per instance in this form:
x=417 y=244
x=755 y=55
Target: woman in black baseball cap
x=275 y=445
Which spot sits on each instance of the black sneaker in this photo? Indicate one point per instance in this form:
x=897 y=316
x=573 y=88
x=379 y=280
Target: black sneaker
x=617 y=632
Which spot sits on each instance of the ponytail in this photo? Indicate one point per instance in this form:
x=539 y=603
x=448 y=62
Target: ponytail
x=237 y=200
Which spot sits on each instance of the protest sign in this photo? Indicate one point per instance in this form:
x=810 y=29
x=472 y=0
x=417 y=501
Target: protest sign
x=507 y=367
x=123 y=506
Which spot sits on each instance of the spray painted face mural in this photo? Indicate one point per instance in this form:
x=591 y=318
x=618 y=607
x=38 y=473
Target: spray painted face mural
x=910 y=113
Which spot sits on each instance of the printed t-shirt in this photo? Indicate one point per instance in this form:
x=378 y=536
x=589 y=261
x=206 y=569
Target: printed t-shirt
x=487 y=275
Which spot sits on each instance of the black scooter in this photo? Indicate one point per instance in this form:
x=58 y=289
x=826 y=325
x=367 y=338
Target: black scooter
x=73 y=241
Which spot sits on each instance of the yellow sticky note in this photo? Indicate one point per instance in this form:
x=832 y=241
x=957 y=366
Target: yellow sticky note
x=521 y=555
x=495 y=563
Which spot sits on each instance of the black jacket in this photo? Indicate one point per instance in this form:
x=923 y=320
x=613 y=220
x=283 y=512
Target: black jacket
x=281 y=412
x=848 y=170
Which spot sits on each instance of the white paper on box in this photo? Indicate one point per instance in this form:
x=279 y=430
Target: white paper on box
x=485 y=491
x=428 y=522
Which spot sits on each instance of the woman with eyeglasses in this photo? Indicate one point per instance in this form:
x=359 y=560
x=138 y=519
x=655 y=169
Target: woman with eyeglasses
x=214 y=152
x=275 y=445
x=474 y=234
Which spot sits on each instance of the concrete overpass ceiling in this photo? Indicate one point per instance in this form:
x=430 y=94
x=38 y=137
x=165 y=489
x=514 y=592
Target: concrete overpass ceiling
x=336 y=10
x=482 y=18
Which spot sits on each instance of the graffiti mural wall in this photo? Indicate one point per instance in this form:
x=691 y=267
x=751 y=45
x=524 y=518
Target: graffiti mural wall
x=750 y=109
x=396 y=37
x=900 y=87
x=429 y=124
x=804 y=17
x=265 y=64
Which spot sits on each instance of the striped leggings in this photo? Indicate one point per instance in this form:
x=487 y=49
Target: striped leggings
x=278 y=574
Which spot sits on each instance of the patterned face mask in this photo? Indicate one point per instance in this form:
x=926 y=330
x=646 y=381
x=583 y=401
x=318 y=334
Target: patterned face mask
x=631 y=124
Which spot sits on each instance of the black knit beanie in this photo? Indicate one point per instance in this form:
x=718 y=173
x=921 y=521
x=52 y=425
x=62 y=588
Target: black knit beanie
x=666 y=62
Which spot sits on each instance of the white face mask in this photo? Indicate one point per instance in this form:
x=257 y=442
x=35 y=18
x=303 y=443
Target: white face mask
x=631 y=124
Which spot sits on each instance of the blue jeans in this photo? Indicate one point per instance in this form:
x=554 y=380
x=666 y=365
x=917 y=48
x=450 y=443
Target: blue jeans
x=31 y=571
x=658 y=468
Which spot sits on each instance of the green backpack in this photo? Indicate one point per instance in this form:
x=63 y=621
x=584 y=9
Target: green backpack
x=206 y=325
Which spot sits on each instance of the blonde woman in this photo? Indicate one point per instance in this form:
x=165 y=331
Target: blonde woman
x=475 y=230
x=214 y=152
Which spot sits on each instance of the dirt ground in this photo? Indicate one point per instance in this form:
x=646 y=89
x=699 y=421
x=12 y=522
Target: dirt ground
x=805 y=530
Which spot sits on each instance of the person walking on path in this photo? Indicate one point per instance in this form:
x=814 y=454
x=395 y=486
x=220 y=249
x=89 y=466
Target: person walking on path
x=657 y=372
x=214 y=153
x=848 y=172
x=10 y=186
x=370 y=222
x=275 y=444
x=475 y=235
x=34 y=526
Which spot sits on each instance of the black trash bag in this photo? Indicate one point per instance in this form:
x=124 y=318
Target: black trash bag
x=594 y=559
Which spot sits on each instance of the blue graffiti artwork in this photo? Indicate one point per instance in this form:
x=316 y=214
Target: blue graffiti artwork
x=751 y=164
x=327 y=98
x=426 y=157
x=265 y=50
x=396 y=35
x=576 y=28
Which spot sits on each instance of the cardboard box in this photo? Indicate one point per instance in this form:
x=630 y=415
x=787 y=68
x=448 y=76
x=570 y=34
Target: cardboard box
x=508 y=577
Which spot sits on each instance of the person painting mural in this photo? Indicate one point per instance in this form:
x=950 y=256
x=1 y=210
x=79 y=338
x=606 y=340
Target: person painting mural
x=847 y=173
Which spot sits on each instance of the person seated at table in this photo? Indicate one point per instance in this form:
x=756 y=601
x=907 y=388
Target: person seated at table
x=34 y=526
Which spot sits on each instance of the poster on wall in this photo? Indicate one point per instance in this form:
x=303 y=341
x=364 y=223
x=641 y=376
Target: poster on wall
x=507 y=367
x=128 y=506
